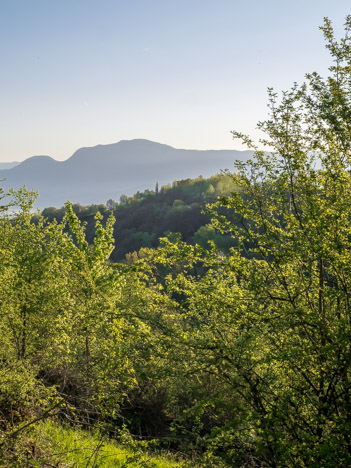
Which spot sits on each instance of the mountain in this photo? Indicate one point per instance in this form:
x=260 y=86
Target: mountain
x=8 y=165
x=96 y=174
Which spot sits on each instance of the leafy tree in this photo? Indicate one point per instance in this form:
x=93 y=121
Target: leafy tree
x=271 y=321
x=64 y=329
x=31 y=299
x=293 y=216
x=111 y=204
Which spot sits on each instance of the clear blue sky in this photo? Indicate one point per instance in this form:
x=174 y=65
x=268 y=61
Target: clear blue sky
x=85 y=72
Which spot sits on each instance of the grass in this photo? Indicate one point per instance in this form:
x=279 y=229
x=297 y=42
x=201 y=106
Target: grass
x=66 y=447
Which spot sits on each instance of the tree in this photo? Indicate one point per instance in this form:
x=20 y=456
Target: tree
x=62 y=317
x=292 y=218
x=111 y=205
x=273 y=318
x=32 y=298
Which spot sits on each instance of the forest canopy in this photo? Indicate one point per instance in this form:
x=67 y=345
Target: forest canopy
x=146 y=216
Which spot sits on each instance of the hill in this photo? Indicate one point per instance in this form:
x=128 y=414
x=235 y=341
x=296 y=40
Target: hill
x=146 y=216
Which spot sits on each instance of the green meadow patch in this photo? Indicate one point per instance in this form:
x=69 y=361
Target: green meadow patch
x=62 y=446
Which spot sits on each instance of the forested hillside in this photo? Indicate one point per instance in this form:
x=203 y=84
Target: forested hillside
x=145 y=217
x=238 y=358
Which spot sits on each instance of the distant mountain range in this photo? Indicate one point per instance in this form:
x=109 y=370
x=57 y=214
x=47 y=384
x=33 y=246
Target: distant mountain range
x=103 y=172
x=8 y=165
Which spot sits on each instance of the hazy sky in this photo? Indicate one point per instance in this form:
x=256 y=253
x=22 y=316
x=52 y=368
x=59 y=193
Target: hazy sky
x=83 y=72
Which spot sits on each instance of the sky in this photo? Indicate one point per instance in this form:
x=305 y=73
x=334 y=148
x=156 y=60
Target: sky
x=185 y=73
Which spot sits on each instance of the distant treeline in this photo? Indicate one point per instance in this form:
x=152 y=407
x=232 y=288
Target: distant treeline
x=146 y=216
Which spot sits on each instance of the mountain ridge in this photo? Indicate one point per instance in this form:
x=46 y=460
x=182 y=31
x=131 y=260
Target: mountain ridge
x=98 y=173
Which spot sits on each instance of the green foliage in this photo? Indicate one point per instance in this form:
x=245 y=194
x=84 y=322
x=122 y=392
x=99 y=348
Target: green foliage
x=271 y=321
x=64 y=332
x=79 y=448
x=49 y=443
x=234 y=350
x=145 y=217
